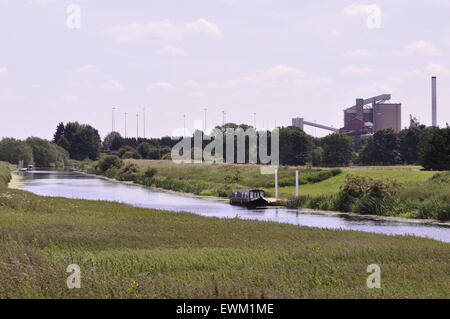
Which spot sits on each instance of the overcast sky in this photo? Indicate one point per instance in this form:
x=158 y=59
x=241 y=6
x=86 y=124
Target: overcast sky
x=278 y=59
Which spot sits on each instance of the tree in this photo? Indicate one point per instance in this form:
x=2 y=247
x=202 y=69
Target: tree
x=436 y=150
x=47 y=154
x=382 y=149
x=82 y=141
x=145 y=149
x=59 y=132
x=13 y=151
x=337 y=150
x=112 y=142
x=411 y=141
x=295 y=146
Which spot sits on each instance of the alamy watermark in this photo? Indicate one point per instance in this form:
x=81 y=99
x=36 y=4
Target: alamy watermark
x=230 y=145
x=374 y=279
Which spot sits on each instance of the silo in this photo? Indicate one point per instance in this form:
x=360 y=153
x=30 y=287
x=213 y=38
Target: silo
x=387 y=115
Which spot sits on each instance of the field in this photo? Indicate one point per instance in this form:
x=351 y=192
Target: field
x=127 y=252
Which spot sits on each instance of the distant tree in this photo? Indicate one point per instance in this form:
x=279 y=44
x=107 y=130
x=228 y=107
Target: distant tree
x=13 y=151
x=436 y=150
x=411 y=141
x=337 y=150
x=317 y=156
x=59 y=132
x=83 y=141
x=145 y=149
x=112 y=142
x=382 y=149
x=295 y=146
x=107 y=162
x=47 y=154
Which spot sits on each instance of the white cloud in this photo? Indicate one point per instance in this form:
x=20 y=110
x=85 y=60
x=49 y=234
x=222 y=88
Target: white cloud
x=357 y=70
x=359 y=9
x=205 y=27
x=413 y=73
x=419 y=46
x=4 y=70
x=112 y=85
x=423 y=47
x=437 y=69
x=284 y=72
x=162 y=30
x=69 y=98
x=280 y=76
x=172 y=51
x=192 y=84
x=160 y=86
x=357 y=53
x=41 y=2
x=87 y=68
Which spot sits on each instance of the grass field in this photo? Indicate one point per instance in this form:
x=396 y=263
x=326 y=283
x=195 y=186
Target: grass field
x=332 y=185
x=127 y=252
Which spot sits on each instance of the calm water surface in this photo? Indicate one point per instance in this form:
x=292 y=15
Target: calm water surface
x=75 y=185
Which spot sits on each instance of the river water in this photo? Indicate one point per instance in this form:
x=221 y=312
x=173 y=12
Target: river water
x=80 y=186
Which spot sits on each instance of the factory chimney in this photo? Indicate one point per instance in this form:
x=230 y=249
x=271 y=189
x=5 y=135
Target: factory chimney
x=433 y=102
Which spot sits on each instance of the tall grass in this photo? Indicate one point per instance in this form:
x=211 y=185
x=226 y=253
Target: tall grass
x=5 y=174
x=129 y=252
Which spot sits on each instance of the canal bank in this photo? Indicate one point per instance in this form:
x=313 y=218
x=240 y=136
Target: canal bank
x=76 y=185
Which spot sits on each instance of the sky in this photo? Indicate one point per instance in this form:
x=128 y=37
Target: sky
x=66 y=61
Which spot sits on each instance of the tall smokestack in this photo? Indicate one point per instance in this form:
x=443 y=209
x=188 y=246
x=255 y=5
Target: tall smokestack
x=433 y=102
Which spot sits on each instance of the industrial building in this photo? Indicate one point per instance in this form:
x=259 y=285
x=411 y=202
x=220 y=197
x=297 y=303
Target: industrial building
x=371 y=115
x=367 y=116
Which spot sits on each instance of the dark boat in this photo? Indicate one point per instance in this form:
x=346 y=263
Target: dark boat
x=249 y=197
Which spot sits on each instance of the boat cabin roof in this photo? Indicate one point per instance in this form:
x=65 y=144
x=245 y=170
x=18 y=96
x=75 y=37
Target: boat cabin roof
x=248 y=190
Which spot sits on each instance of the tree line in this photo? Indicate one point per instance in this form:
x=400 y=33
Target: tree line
x=426 y=146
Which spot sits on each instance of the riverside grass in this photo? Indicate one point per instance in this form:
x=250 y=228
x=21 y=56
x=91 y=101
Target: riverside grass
x=128 y=252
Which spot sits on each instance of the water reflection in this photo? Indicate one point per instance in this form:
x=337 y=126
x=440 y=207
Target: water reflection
x=75 y=185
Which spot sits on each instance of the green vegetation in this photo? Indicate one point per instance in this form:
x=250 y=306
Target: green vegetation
x=80 y=140
x=34 y=150
x=204 y=179
x=5 y=175
x=429 y=199
x=128 y=252
x=13 y=151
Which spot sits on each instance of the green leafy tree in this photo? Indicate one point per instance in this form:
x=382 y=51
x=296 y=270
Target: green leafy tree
x=13 y=151
x=83 y=141
x=436 y=150
x=382 y=149
x=112 y=142
x=145 y=149
x=337 y=150
x=47 y=154
x=411 y=141
x=295 y=146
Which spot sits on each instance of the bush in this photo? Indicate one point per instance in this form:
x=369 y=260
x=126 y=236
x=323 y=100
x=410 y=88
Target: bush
x=373 y=206
x=298 y=202
x=130 y=168
x=150 y=172
x=107 y=162
x=434 y=210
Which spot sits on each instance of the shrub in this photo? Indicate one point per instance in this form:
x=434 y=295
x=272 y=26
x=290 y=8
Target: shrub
x=107 y=162
x=297 y=202
x=373 y=206
x=150 y=172
x=130 y=168
x=434 y=210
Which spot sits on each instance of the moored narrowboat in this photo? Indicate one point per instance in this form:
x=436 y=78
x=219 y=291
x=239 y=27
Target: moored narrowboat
x=249 y=197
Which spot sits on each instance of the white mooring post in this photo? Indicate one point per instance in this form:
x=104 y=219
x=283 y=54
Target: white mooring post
x=296 y=183
x=276 y=183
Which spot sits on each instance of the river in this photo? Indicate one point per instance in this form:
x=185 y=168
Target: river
x=80 y=186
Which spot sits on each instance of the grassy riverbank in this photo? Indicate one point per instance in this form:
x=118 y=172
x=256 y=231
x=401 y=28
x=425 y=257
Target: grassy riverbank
x=128 y=252
x=415 y=193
